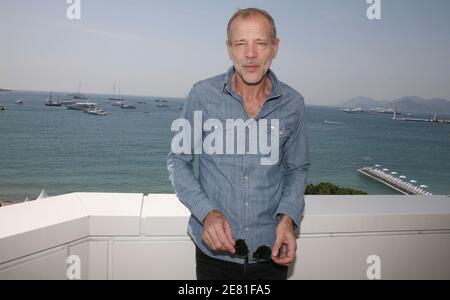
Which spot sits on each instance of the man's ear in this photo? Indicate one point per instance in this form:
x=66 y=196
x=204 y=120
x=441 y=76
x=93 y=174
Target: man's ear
x=277 y=46
x=229 y=50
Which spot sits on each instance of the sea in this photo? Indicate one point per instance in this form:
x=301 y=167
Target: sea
x=63 y=151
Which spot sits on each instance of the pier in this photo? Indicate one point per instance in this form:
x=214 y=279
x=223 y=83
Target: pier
x=397 y=184
x=434 y=120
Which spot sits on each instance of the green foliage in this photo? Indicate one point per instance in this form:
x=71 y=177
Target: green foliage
x=326 y=188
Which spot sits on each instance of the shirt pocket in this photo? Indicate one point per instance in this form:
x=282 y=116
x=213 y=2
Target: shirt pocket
x=215 y=149
x=282 y=134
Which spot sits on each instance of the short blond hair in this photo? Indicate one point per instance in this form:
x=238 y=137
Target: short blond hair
x=251 y=12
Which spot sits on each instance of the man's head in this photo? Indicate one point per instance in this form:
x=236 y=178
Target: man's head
x=252 y=43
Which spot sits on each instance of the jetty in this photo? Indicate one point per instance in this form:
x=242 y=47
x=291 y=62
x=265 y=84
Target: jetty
x=396 y=183
x=433 y=120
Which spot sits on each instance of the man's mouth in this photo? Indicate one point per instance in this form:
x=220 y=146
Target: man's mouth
x=251 y=68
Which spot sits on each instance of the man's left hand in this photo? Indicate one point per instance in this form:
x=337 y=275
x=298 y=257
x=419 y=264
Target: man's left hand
x=285 y=247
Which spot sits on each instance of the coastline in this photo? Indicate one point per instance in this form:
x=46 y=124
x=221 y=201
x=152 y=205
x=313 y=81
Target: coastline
x=4 y=203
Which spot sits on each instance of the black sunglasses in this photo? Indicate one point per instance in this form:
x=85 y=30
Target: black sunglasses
x=262 y=254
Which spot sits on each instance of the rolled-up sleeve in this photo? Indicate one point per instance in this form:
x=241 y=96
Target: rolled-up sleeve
x=181 y=170
x=295 y=162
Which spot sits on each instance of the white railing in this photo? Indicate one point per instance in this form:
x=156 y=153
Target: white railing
x=133 y=236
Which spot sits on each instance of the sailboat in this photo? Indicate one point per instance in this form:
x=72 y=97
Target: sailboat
x=114 y=98
x=50 y=102
x=79 y=95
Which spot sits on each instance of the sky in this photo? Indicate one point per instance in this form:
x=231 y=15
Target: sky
x=330 y=51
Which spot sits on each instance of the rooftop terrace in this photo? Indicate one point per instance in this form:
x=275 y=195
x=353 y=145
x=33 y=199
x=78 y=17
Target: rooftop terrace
x=136 y=236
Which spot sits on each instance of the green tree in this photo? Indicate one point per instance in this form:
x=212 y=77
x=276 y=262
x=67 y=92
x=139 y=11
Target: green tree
x=326 y=188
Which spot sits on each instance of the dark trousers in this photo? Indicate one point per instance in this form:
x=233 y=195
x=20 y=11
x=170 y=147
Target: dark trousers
x=209 y=268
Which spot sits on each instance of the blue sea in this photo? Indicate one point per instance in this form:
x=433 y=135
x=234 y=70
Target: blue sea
x=63 y=150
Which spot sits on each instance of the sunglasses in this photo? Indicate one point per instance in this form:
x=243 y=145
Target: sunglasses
x=262 y=254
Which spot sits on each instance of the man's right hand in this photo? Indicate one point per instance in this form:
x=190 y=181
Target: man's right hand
x=217 y=232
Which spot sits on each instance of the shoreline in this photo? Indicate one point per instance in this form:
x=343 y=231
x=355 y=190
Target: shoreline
x=4 y=203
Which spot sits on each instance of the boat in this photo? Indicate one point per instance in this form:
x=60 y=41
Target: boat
x=162 y=105
x=117 y=103
x=51 y=102
x=20 y=102
x=382 y=110
x=68 y=102
x=78 y=95
x=402 y=176
x=82 y=105
x=75 y=107
x=331 y=122
x=2 y=108
x=353 y=110
x=96 y=111
x=413 y=181
x=114 y=98
x=127 y=106
x=142 y=102
x=146 y=111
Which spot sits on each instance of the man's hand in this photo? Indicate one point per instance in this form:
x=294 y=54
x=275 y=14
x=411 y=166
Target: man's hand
x=217 y=232
x=285 y=247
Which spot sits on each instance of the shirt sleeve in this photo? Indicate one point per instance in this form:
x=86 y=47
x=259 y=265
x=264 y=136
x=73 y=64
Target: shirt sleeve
x=295 y=162
x=181 y=169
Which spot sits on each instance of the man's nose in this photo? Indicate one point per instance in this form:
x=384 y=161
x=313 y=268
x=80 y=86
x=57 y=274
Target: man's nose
x=250 y=51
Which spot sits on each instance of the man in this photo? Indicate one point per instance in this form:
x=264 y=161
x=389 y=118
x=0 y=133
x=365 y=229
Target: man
x=245 y=211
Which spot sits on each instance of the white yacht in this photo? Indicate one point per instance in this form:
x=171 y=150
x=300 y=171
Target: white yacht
x=96 y=111
x=117 y=103
x=82 y=105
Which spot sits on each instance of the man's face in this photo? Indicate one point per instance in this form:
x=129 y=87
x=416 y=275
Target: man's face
x=251 y=48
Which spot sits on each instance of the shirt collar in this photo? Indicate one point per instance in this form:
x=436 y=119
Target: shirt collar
x=277 y=91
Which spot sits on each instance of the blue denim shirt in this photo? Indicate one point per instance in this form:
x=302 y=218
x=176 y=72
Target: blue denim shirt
x=250 y=194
